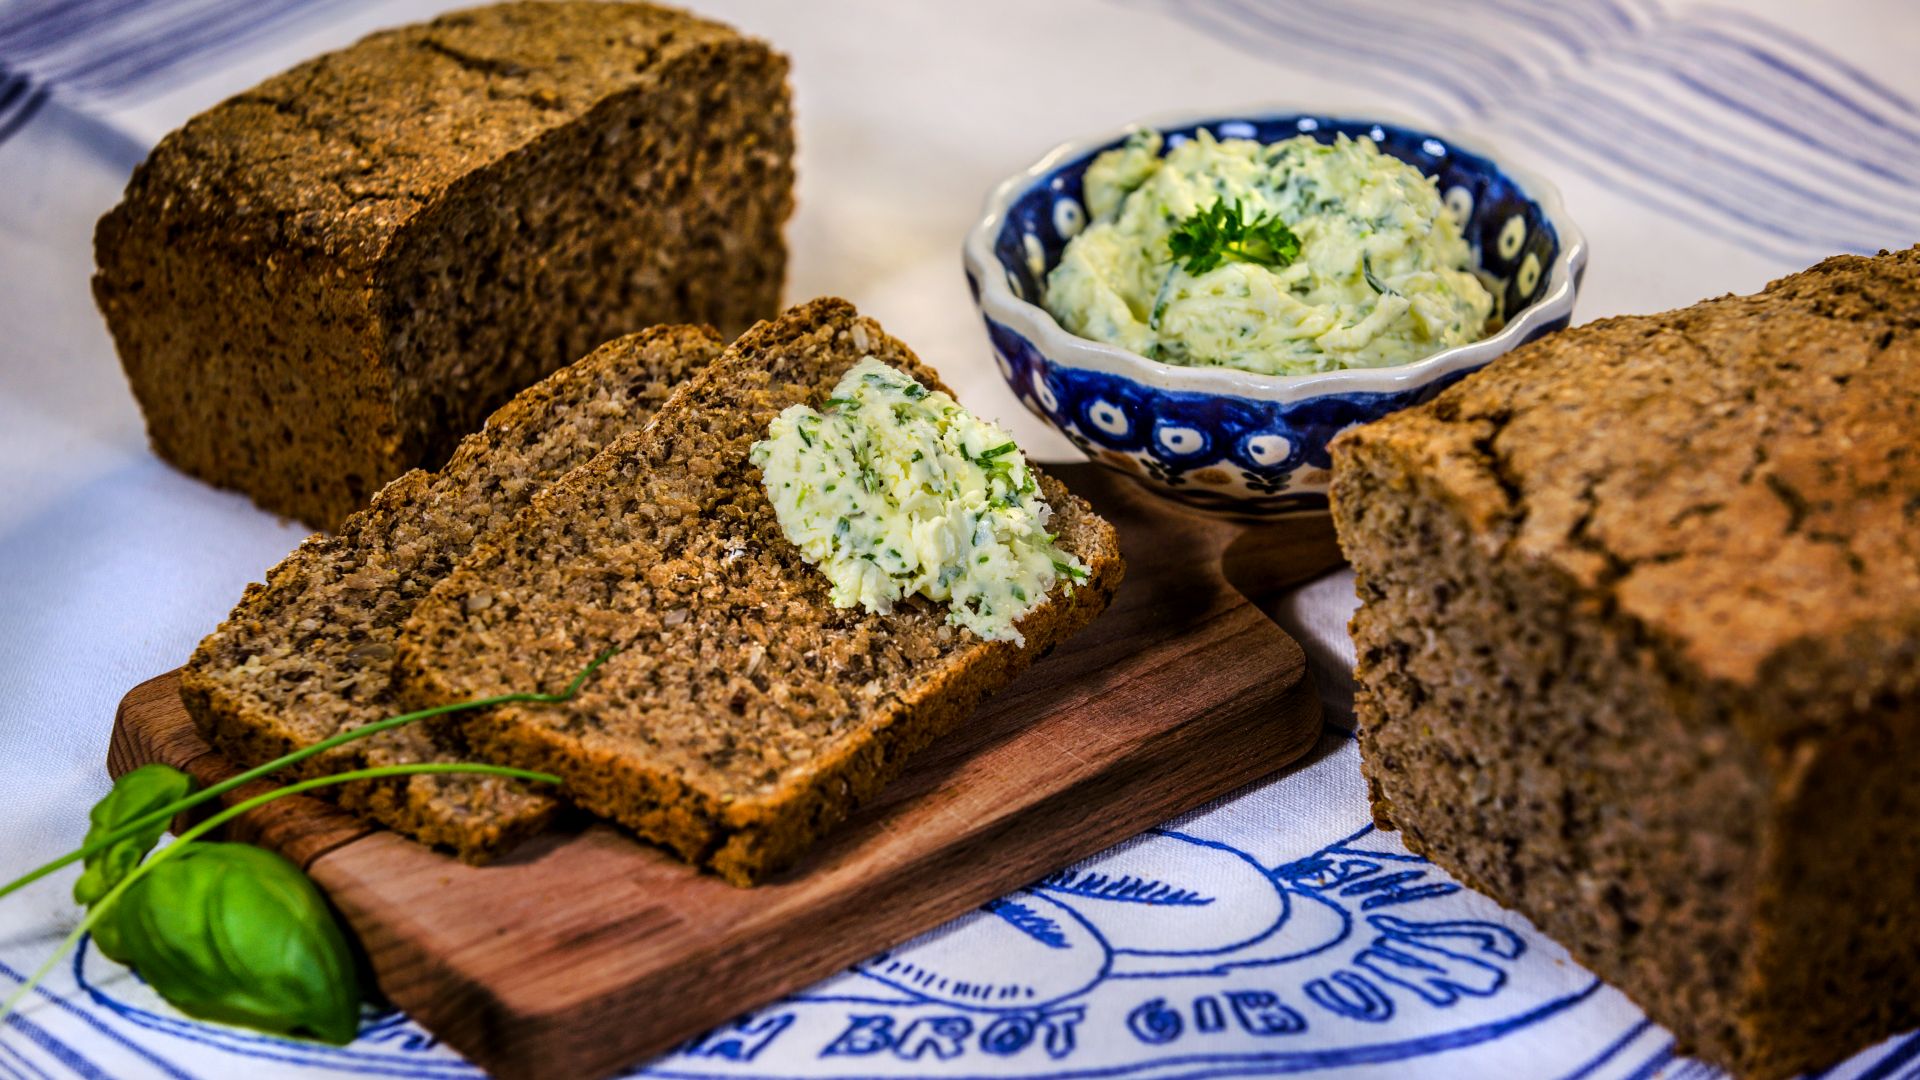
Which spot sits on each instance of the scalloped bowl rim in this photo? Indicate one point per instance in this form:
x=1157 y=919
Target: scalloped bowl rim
x=1061 y=346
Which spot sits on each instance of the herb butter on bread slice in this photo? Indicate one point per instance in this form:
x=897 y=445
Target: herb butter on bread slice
x=310 y=653
x=746 y=714
x=895 y=490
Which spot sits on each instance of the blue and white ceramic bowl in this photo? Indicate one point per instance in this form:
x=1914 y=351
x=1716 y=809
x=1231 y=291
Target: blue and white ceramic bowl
x=1231 y=441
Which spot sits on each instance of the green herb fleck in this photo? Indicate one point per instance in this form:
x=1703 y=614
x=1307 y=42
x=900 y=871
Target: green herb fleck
x=1366 y=270
x=869 y=477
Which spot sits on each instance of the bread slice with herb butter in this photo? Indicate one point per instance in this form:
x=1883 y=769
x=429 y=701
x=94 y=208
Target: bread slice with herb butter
x=746 y=714
x=310 y=653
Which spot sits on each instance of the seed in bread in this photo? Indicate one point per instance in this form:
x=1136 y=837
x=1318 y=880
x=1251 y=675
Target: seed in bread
x=310 y=653
x=1637 y=652
x=746 y=714
x=332 y=277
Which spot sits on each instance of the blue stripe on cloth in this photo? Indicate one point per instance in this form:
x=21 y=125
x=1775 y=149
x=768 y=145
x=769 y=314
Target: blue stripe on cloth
x=166 y=1067
x=1611 y=1051
x=26 y=1063
x=19 y=101
x=12 y=89
x=1807 y=47
x=94 y=53
x=260 y=1045
x=26 y=22
x=1229 y=27
x=61 y=1052
x=213 y=28
x=1646 y=152
x=1703 y=117
x=1652 y=1065
x=1900 y=1055
x=1782 y=99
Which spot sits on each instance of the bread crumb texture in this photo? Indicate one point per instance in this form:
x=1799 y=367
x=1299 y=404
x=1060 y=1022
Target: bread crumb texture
x=746 y=714
x=333 y=276
x=1639 y=652
x=311 y=653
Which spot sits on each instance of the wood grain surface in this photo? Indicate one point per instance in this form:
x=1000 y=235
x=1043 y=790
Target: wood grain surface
x=585 y=950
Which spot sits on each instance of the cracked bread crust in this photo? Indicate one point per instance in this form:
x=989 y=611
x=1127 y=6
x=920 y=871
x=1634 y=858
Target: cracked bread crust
x=310 y=653
x=1750 y=486
x=332 y=277
x=1645 y=678
x=746 y=715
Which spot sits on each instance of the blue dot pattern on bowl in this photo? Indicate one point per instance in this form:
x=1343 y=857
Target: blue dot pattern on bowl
x=1234 y=454
x=1213 y=451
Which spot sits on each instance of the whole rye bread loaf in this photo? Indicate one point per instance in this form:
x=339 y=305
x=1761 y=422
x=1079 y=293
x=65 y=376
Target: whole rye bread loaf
x=746 y=715
x=310 y=653
x=1639 y=652
x=332 y=277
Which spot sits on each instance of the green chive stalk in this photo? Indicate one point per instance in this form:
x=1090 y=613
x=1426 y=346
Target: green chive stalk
x=214 y=791
x=187 y=838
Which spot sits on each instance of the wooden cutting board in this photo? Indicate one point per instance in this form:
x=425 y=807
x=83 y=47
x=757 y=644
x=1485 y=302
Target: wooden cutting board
x=585 y=951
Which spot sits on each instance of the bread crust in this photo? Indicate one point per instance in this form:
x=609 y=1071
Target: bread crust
x=310 y=653
x=746 y=715
x=1636 y=600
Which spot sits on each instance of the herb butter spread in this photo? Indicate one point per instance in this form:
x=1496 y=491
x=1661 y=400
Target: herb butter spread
x=893 y=489
x=1282 y=259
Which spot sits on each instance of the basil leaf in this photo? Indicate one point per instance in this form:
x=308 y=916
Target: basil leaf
x=237 y=934
x=142 y=791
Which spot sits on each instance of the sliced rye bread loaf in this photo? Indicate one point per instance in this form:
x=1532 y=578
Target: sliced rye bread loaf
x=310 y=653
x=332 y=277
x=746 y=715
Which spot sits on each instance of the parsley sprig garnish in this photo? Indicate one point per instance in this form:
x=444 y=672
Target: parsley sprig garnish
x=1222 y=232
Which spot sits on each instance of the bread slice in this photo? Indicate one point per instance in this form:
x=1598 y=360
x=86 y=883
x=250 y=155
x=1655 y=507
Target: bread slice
x=310 y=653
x=746 y=715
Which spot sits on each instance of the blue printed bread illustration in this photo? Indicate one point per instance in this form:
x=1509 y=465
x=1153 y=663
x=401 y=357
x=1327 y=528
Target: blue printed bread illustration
x=1329 y=958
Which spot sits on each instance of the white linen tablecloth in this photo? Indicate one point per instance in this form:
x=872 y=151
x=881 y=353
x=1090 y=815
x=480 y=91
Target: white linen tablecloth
x=1703 y=148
